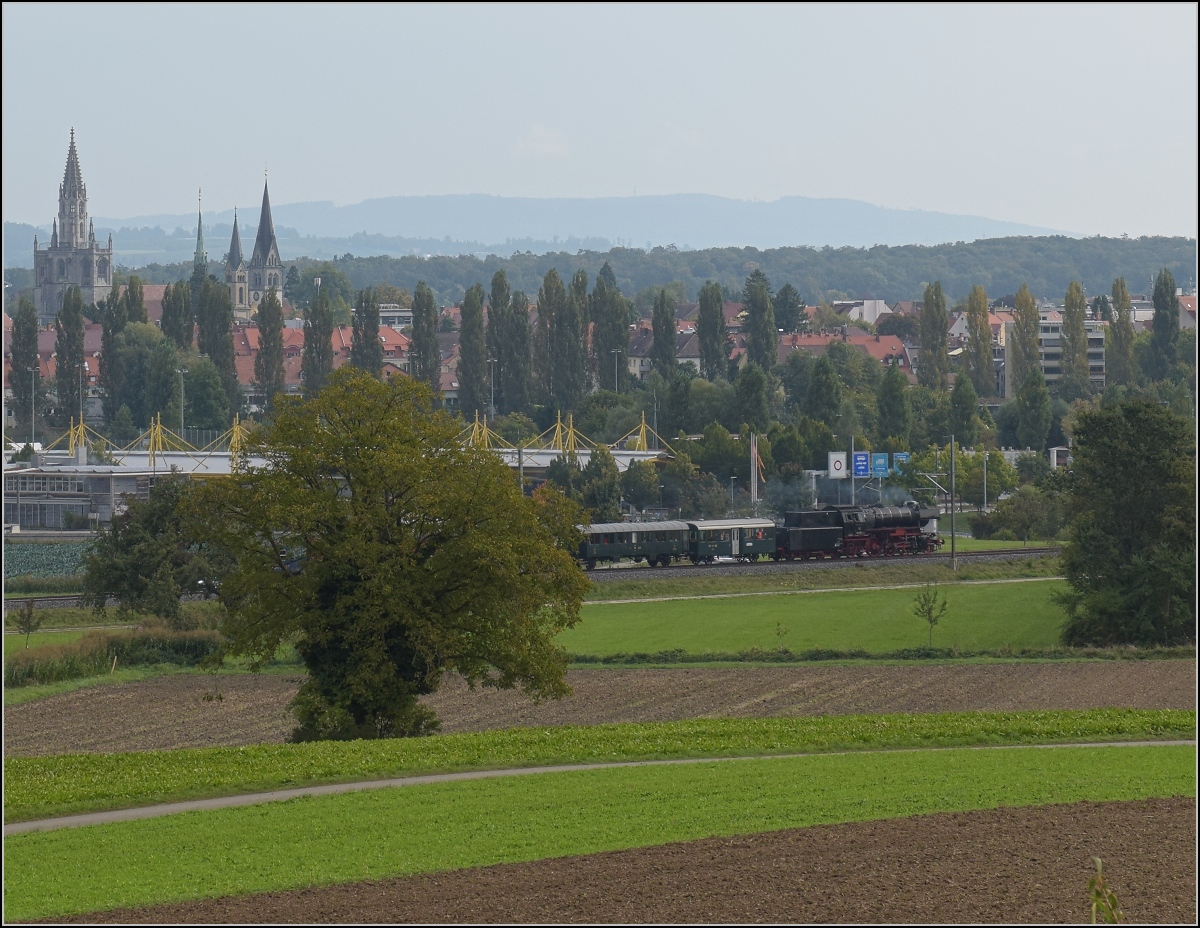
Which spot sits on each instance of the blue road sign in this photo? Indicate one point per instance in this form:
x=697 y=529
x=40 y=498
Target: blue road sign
x=862 y=464
x=879 y=464
x=900 y=457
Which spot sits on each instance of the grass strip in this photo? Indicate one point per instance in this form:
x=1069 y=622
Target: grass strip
x=41 y=787
x=678 y=657
x=422 y=829
x=981 y=617
x=633 y=583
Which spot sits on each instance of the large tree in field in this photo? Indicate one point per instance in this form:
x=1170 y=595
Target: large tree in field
x=610 y=316
x=1166 y=325
x=473 y=375
x=68 y=349
x=268 y=364
x=1074 y=381
x=933 y=363
x=365 y=351
x=1119 y=366
x=425 y=362
x=26 y=375
x=979 y=343
x=662 y=351
x=762 y=338
x=1130 y=558
x=1023 y=353
x=712 y=332
x=316 y=363
x=390 y=553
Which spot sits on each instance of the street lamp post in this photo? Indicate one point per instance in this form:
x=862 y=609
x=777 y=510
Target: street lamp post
x=182 y=398
x=732 y=495
x=616 y=387
x=985 y=454
x=32 y=403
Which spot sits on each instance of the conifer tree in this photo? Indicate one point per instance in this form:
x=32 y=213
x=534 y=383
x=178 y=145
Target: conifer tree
x=610 y=315
x=426 y=360
x=933 y=361
x=712 y=332
x=68 y=350
x=662 y=352
x=1165 y=336
x=895 y=411
x=762 y=337
x=964 y=412
x=316 y=363
x=823 y=398
x=497 y=334
x=789 y=310
x=365 y=351
x=1023 y=353
x=26 y=375
x=1118 y=352
x=979 y=343
x=268 y=365
x=473 y=375
x=1073 y=382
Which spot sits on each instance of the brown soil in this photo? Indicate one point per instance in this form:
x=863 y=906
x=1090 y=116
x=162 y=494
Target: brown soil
x=1005 y=865
x=172 y=712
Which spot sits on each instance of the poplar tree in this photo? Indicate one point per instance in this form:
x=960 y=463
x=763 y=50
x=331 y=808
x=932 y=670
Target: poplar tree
x=823 y=398
x=365 y=351
x=964 y=413
x=26 y=375
x=68 y=350
x=933 y=361
x=895 y=410
x=1073 y=381
x=662 y=352
x=473 y=374
x=1023 y=352
x=610 y=315
x=497 y=333
x=712 y=333
x=135 y=302
x=177 y=322
x=1165 y=335
x=517 y=376
x=268 y=365
x=552 y=299
x=979 y=343
x=1033 y=412
x=1118 y=354
x=217 y=339
x=316 y=364
x=762 y=338
x=569 y=345
x=112 y=368
x=426 y=358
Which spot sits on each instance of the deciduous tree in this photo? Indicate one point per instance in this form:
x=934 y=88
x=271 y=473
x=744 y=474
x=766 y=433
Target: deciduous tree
x=964 y=412
x=712 y=332
x=895 y=412
x=1119 y=367
x=1166 y=325
x=1033 y=412
x=1023 y=352
x=611 y=317
x=268 y=364
x=68 y=349
x=425 y=362
x=662 y=352
x=1074 y=382
x=365 y=351
x=391 y=553
x=933 y=362
x=473 y=374
x=762 y=337
x=979 y=343
x=25 y=376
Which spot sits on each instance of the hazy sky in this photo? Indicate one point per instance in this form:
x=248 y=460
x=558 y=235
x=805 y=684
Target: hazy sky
x=1082 y=118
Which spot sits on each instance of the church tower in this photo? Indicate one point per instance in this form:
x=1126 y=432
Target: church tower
x=265 y=269
x=236 y=275
x=74 y=257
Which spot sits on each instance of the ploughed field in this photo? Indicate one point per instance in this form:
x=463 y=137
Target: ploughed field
x=997 y=865
x=173 y=711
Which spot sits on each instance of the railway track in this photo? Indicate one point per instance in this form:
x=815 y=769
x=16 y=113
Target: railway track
x=730 y=568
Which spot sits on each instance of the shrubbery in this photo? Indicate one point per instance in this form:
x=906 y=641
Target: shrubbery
x=93 y=654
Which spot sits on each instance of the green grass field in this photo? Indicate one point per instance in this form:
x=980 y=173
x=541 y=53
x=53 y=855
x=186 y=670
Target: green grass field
x=14 y=643
x=420 y=829
x=40 y=787
x=980 y=617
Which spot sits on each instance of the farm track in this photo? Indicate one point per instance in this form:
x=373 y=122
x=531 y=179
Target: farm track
x=678 y=571
x=172 y=712
x=1023 y=865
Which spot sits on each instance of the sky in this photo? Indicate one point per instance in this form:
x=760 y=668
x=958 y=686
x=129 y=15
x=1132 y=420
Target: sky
x=1074 y=117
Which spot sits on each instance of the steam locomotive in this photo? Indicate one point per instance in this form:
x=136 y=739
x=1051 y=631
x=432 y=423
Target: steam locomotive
x=830 y=531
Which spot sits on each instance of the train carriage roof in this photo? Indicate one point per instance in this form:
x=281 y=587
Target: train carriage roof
x=601 y=528
x=732 y=523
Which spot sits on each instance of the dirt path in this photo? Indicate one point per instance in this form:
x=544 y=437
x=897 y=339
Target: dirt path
x=172 y=712
x=1001 y=866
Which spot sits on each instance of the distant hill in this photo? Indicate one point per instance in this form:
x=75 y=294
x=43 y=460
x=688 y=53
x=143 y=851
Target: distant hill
x=482 y=225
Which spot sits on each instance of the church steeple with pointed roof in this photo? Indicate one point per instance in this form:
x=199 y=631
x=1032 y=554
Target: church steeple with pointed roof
x=235 y=272
x=200 y=261
x=265 y=270
x=73 y=257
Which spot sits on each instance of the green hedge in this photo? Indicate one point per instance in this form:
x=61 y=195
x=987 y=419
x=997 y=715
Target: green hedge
x=93 y=655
